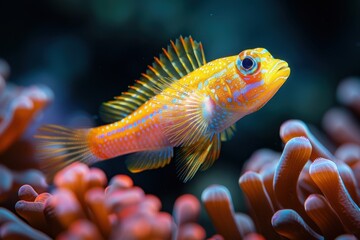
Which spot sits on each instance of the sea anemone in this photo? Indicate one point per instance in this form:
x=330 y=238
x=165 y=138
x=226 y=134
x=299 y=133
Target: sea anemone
x=306 y=192
x=18 y=107
x=83 y=207
x=339 y=122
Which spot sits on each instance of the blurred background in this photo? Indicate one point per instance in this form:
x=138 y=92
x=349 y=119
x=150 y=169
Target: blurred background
x=88 y=51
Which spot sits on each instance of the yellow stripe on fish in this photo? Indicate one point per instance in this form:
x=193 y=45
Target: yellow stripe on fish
x=181 y=101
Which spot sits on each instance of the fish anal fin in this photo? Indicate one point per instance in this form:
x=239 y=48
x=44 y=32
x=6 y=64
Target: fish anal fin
x=228 y=133
x=140 y=161
x=200 y=155
x=180 y=58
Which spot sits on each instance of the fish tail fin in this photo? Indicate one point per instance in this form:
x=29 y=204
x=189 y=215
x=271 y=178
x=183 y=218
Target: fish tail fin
x=58 y=147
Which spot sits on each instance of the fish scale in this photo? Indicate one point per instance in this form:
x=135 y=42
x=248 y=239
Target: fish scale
x=136 y=131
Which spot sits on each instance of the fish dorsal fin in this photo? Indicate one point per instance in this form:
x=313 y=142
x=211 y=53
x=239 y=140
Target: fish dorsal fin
x=180 y=58
x=200 y=155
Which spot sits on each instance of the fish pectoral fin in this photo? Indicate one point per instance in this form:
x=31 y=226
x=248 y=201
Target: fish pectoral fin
x=140 y=161
x=181 y=57
x=228 y=133
x=187 y=114
x=200 y=155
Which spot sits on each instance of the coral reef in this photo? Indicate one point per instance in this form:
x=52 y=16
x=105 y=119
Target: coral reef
x=18 y=107
x=305 y=192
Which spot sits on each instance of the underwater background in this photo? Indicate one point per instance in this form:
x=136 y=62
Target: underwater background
x=87 y=52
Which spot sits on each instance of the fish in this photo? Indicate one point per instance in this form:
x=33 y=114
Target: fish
x=181 y=102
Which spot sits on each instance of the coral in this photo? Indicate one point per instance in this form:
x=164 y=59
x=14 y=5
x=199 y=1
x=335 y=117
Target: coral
x=305 y=192
x=81 y=207
x=18 y=107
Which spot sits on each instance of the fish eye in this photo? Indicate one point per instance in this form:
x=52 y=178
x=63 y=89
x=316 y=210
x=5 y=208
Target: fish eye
x=247 y=63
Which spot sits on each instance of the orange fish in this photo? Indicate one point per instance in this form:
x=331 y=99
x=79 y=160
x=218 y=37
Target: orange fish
x=181 y=101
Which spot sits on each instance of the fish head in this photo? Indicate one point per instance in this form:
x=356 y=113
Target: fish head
x=260 y=75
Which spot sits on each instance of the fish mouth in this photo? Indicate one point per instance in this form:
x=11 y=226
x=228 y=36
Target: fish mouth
x=283 y=68
x=281 y=74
